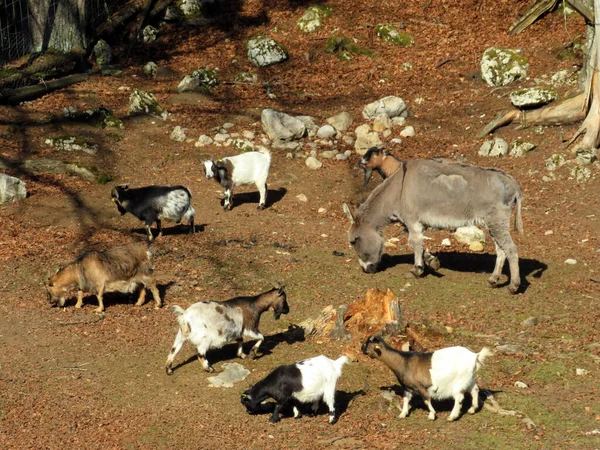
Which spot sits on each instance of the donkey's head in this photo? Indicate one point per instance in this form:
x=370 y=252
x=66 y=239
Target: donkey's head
x=366 y=240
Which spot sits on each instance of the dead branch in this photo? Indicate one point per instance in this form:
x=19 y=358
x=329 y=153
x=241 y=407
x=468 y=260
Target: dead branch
x=15 y=96
x=533 y=13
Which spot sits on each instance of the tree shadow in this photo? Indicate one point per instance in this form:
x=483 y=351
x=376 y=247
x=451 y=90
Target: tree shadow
x=273 y=196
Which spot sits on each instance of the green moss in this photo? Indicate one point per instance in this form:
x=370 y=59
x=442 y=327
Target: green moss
x=345 y=47
x=312 y=18
x=389 y=34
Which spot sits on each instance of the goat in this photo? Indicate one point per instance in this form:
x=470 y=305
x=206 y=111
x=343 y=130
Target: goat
x=155 y=203
x=210 y=325
x=120 y=269
x=307 y=381
x=443 y=374
x=380 y=160
x=246 y=168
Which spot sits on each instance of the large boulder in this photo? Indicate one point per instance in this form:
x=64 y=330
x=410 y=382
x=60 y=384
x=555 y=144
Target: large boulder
x=202 y=79
x=365 y=139
x=309 y=123
x=532 y=97
x=389 y=34
x=313 y=18
x=341 y=121
x=263 y=51
x=149 y=33
x=141 y=102
x=281 y=127
x=502 y=66
x=391 y=105
x=11 y=189
x=103 y=53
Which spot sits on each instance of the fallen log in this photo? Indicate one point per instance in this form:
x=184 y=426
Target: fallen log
x=16 y=96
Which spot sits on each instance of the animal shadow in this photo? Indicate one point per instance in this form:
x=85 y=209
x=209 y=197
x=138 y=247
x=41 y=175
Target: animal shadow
x=273 y=196
x=171 y=230
x=293 y=334
x=115 y=298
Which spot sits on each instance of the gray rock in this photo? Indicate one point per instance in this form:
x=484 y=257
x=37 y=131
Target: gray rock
x=149 y=33
x=446 y=242
x=398 y=121
x=312 y=18
x=178 y=134
x=309 y=123
x=326 y=132
x=150 y=69
x=221 y=137
x=11 y=189
x=409 y=131
x=391 y=105
x=519 y=148
x=250 y=135
x=396 y=141
x=232 y=373
x=585 y=156
x=141 y=102
x=501 y=66
x=190 y=9
x=341 y=121
x=302 y=198
x=328 y=154
x=390 y=34
x=532 y=97
x=382 y=122
x=313 y=163
x=496 y=147
x=103 y=53
x=203 y=141
x=341 y=157
x=365 y=139
x=520 y=385
x=242 y=145
x=581 y=174
x=555 y=161
x=263 y=51
x=530 y=322
x=287 y=146
x=469 y=235
x=72 y=144
x=348 y=140
x=281 y=127
x=202 y=79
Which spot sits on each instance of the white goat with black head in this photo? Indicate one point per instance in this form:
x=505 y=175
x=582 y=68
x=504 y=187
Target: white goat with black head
x=446 y=373
x=210 y=325
x=246 y=168
x=308 y=381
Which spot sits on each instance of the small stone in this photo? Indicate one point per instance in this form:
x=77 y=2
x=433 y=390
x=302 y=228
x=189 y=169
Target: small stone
x=348 y=140
x=581 y=372
x=520 y=385
x=530 y=322
x=398 y=121
x=203 y=140
x=326 y=132
x=409 y=131
x=476 y=247
x=571 y=261
x=328 y=154
x=532 y=97
x=396 y=141
x=382 y=122
x=313 y=163
x=341 y=157
x=555 y=161
x=548 y=233
x=348 y=153
x=221 y=137
x=585 y=156
x=289 y=155
x=387 y=133
x=149 y=33
x=341 y=121
x=322 y=211
x=250 y=135
x=446 y=242
x=11 y=189
x=178 y=134
x=391 y=105
x=150 y=69
x=581 y=174
x=302 y=198
x=519 y=148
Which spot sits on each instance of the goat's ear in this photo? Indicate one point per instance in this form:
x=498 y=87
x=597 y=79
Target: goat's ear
x=348 y=213
x=124 y=186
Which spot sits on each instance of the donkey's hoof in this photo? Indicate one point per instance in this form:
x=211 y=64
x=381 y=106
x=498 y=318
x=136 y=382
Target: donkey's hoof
x=416 y=272
x=434 y=263
x=513 y=289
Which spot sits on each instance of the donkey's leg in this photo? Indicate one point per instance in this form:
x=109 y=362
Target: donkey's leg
x=501 y=235
x=500 y=260
x=415 y=239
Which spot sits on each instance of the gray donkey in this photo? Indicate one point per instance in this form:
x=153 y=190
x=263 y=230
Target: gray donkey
x=437 y=193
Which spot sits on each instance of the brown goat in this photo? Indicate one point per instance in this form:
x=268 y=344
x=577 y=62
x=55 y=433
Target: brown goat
x=381 y=161
x=120 y=269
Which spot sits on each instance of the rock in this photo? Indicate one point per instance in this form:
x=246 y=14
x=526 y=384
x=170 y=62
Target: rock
x=202 y=79
x=313 y=163
x=103 y=53
x=72 y=144
x=287 y=146
x=242 y=145
x=561 y=77
x=409 y=131
x=228 y=125
x=190 y=9
x=398 y=121
x=328 y=154
x=496 y=147
x=571 y=261
x=468 y=235
x=446 y=242
x=519 y=149
x=389 y=34
x=178 y=134
x=387 y=133
x=555 y=161
x=382 y=122
x=396 y=141
x=149 y=33
x=89 y=173
x=263 y=51
x=581 y=174
x=203 y=140
x=500 y=67
x=326 y=132
x=11 y=189
x=348 y=140
x=391 y=105
x=232 y=373
x=476 y=247
x=530 y=322
x=173 y=14
x=365 y=139
x=309 y=123
x=585 y=156
x=250 y=135
x=221 y=137
x=341 y=157
x=581 y=372
x=141 y=102
x=532 y=97
x=97 y=117
x=302 y=198
x=312 y=18
x=520 y=385
x=548 y=233
x=341 y=121
x=150 y=69
x=281 y=127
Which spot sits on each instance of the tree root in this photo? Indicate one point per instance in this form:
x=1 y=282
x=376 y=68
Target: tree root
x=491 y=404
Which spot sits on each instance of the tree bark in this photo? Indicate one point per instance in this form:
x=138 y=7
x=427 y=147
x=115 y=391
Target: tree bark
x=58 y=24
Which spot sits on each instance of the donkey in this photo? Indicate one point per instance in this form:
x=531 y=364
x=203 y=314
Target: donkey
x=438 y=193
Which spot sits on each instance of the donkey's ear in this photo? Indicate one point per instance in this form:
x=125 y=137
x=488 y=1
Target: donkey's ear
x=348 y=213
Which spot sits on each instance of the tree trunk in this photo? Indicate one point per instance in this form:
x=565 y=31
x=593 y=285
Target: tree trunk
x=58 y=24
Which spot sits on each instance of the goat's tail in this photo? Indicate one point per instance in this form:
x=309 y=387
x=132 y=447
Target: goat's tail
x=265 y=151
x=183 y=325
x=481 y=356
x=339 y=363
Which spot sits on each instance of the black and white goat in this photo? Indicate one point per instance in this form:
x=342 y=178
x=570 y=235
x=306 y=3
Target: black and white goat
x=209 y=325
x=308 y=381
x=155 y=203
x=246 y=168
x=443 y=374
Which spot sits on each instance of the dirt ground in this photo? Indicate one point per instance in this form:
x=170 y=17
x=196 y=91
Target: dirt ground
x=70 y=378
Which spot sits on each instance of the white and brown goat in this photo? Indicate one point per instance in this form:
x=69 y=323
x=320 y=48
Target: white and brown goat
x=443 y=374
x=379 y=160
x=210 y=325
x=120 y=269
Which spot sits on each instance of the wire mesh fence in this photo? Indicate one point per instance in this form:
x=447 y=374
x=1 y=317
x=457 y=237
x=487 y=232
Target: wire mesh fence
x=15 y=37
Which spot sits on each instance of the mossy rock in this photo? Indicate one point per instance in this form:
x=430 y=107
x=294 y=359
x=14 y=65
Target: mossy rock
x=263 y=51
x=141 y=102
x=500 y=66
x=246 y=77
x=202 y=80
x=98 y=117
x=242 y=145
x=345 y=48
x=71 y=144
x=533 y=97
x=389 y=34
x=312 y=18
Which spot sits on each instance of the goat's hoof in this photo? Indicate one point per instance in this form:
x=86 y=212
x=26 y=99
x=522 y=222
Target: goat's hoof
x=513 y=289
x=158 y=306
x=452 y=418
x=168 y=370
x=416 y=272
x=99 y=310
x=242 y=356
x=78 y=306
x=273 y=420
x=493 y=282
x=431 y=416
x=209 y=369
x=402 y=416
x=471 y=410
x=434 y=263
x=260 y=207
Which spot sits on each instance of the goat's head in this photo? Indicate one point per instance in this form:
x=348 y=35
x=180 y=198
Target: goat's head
x=252 y=406
x=372 y=346
x=372 y=159
x=116 y=196
x=210 y=168
x=280 y=304
x=366 y=240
